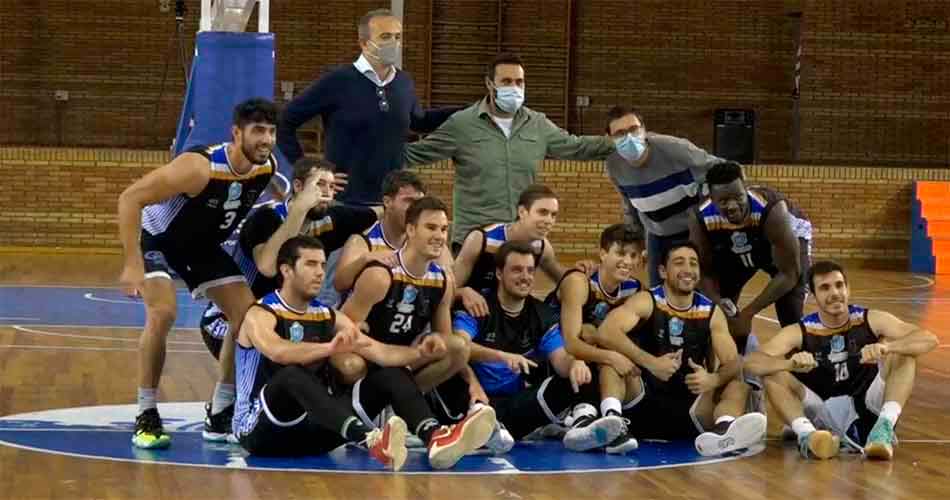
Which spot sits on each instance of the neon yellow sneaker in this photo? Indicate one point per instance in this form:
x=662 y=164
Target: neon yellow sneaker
x=148 y=431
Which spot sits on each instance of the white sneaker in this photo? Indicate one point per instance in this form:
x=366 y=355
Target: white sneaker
x=590 y=432
x=743 y=432
x=501 y=441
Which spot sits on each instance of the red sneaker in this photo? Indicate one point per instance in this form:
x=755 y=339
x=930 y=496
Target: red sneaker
x=388 y=445
x=450 y=443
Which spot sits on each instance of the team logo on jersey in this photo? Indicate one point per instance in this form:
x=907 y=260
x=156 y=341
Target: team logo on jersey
x=156 y=258
x=296 y=333
x=234 y=191
x=490 y=336
x=838 y=353
x=600 y=311
x=409 y=295
x=676 y=331
x=740 y=242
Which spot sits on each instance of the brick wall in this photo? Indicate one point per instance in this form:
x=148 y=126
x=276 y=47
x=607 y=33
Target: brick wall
x=67 y=198
x=875 y=78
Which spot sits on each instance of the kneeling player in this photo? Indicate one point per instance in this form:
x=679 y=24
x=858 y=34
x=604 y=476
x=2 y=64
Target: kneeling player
x=851 y=373
x=675 y=335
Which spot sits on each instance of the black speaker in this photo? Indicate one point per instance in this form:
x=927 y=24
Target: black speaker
x=734 y=135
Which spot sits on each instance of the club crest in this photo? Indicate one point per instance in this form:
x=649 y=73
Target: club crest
x=296 y=333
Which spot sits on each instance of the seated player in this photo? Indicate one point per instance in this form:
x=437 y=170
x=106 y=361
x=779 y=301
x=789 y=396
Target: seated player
x=475 y=262
x=583 y=302
x=515 y=348
x=290 y=400
x=308 y=211
x=742 y=229
x=676 y=336
x=380 y=242
x=398 y=303
x=845 y=369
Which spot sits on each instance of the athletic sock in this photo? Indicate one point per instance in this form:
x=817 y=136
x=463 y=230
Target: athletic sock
x=223 y=397
x=147 y=399
x=891 y=411
x=802 y=426
x=609 y=405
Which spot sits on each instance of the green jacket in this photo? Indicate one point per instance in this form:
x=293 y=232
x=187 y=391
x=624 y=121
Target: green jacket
x=491 y=170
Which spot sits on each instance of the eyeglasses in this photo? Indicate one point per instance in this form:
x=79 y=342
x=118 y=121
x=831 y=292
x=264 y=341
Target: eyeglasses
x=383 y=103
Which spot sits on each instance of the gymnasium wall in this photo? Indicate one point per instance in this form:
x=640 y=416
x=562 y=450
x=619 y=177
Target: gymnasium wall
x=875 y=83
x=66 y=198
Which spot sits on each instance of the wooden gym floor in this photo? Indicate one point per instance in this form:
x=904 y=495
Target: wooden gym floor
x=60 y=368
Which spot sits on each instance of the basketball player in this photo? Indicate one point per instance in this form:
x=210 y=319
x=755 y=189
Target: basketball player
x=583 y=302
x=307 y=211
x=676 y=336
x=380 y=242
x=290 y=401
x=740 y=230
x=475 y=263
x=398 y=303
x=515 y=349
x=850 y=372
x=175 y=219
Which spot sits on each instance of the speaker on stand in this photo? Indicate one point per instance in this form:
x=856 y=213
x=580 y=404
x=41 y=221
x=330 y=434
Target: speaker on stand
x=734 y=135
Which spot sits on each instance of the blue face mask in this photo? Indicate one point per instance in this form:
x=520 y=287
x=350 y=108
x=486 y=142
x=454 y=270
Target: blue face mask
x=631 y=147
x=509 y=99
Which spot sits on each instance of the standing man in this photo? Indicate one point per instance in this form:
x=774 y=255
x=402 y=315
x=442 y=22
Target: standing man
x=175 y=219
x=368 y=109
x=741 y=230
x=497 y=145
x=845 y=369
x=659 y=179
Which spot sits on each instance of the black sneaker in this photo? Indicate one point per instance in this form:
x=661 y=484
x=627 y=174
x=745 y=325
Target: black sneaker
x=148 y=431
x=218 y=426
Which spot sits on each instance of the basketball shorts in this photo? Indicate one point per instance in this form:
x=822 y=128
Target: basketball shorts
x=202 y=265
x=214 y=326
x=654 y=415
x=850 y=417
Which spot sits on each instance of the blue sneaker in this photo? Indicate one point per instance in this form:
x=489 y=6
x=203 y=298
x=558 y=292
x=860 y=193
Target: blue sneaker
x=881 y=440
x=819 y=444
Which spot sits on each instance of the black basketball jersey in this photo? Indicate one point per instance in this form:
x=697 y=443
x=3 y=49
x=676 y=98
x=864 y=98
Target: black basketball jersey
x=598 y=302
x=254 y=370
x=494 y=236
x=670 y=329
x=217 y=210
x=745 y=245
x=838 y=354
x=409 y=304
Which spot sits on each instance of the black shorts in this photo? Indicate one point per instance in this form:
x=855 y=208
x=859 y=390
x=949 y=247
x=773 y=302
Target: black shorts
x=214 y=326
x=202 y=265
x=657 y=416
x=789 y=307
x=298 y=437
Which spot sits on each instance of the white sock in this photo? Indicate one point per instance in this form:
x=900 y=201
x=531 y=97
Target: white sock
x=223 y=397
x=802 y=426
x=891 y=411
x=724 y=418
x=147 y=399
x=610 y=404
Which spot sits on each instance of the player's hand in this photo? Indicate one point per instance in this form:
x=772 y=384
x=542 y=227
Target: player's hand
x=133 y=275
x=872 y=353
x=586 y=266
x=385 y=257
x=666 y=365
x=362 y=341
x=620 y=363
x=518 y=363
x=432 y=347
x=131 y=291
x=476 y=394
x=700 y=380
x=344 y=341
x=310 y=196
x=579 y=375
x=340 y=180
x=740 y=325
x=803 y=362
x=473 y=302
